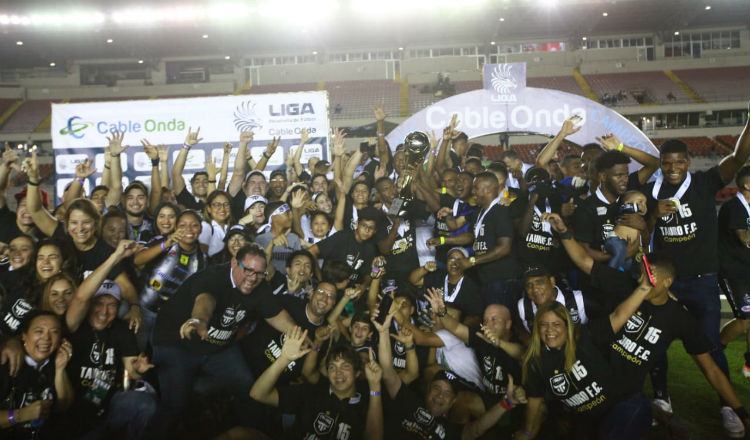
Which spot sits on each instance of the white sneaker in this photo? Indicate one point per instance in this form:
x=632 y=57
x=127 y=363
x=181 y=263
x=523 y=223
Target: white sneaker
x=662 y=405
x=746 y=371
x=733 y=427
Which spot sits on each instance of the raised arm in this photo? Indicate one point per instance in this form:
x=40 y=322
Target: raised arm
x=80 y=303
x=449 y=133
x=153 y=155
x=729 y=166
x=42 y=218
x=649 y=162
x=222 y=184
x=178 y=182
x=515 y=394
x=264 y=389
x=416 y=277
x=240 y=163
x=575 y=250
x=115 y=173
x=374 y=423
x=350 y=294
x=550 y=150
x=63 y=387
x=212 y=172
x=10 y=159
x=390 y=377
x=382 y=147
x=297 y=164
x=453 y=325
x=406 y=337
x=270 y=150
x=163 y=151
x=625 y=309
x=75 y=190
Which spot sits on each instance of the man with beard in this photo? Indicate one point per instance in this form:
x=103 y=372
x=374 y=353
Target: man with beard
x=277 y=185
x=135 y=202
x=216 y=301
x=199 y=182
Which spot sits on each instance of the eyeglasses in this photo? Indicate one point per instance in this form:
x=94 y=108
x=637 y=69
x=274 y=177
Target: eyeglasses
x=218 y=205
x=323 y=292
x=250 y=272
x=237 y=239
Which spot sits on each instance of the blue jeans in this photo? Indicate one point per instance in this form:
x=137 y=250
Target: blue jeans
x=505 y=292
x=628 y=419
x=179 y=370
x=131 y=409
x=700 y=296
x=618 y=248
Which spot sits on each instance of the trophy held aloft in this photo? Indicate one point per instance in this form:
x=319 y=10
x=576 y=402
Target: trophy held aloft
x=416 y=147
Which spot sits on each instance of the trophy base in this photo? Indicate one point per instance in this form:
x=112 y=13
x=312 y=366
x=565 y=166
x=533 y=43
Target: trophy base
x=397 y=206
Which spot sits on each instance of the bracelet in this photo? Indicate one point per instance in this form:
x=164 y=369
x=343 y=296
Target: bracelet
x=107 y=166
x=81 y=180
x=266 y=156
x=442 y=240
x=381 y=134
x=565 y=235
x=11 y=418
x=620 y=147
x=114 y=155
x=442 y=312
x=33 y=183
x=411 y=347
x=212 y=181
x=375 y=393
x=162 y=246
x=155 y=162
x=433 y=152
x=316 y=349
x=186 y=146
x=194 y=321
x=506 y=403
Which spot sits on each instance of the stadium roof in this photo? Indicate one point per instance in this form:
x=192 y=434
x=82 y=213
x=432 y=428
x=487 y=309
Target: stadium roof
x=80 y=30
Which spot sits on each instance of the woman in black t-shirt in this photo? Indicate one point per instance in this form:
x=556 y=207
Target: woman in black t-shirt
x=568 y=363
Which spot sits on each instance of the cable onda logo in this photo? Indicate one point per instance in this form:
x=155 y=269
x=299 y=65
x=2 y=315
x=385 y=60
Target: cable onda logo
x=76 y=127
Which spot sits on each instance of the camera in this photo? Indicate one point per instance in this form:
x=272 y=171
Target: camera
x=628 y=208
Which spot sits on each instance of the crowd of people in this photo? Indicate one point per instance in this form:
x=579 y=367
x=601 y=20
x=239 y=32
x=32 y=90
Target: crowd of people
x=372 y=296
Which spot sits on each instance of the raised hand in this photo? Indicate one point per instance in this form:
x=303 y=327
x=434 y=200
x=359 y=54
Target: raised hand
x=436 y=300
x=246 y=137
x=292 y=283
x=404 y=336
x=339 y=147
x=379 y=112
x=10 y=156
x=304 y=137
x=149 y=149
x=352 y=293
x=228 y=148
x=271 y=146
x=380 y=171
x=31 y=165
x=64 y=353
x=569 y=126
x=382 y=328
x=85 y=169
x=373 y=372
x=292 y=348
x=450 y=132
x=115 y=143
x=430 y=266
x=322 y=334
x=486 y=334
x=609 y=142
x=433 y=140
x=211 y=169
x=192 y=137
x=174 y=238
x=163 y=151
x=298 y=200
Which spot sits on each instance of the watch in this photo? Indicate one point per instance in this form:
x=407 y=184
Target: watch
x=473 y=261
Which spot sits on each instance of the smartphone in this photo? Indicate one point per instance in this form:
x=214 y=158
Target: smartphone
x=384 y=307
x=648 y=271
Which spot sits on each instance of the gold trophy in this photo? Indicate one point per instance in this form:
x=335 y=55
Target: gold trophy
x=416 y=146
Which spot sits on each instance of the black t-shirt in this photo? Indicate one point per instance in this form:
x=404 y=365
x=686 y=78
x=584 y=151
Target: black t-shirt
x=96 y=368
x=460 y=208
x=466 y=299
x=89 y=260
x=406 y=417
x=231 y=310
x=496 y=224
x=540 y=247
x=322 y=415
x=263 y=346
x=589 y=388
x=690 y=235
x=495 y=363
x=342 y=246
x=28 y=386
x=10 y=230
x=186 y=199
x=734 y=256
x=403 y=256
x=238 y=204
x=649 y=331
x=14 y=311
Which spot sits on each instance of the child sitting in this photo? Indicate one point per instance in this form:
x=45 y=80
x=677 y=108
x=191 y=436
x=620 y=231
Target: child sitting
x=626 y=241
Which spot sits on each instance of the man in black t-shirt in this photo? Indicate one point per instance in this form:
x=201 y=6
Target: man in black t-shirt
x=734 y=261
x=199 y=181
x=333 y=409
x=215 y=301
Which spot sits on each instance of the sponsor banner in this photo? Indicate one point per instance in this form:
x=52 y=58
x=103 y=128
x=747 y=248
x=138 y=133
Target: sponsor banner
x=79 y=131
x=506 y=105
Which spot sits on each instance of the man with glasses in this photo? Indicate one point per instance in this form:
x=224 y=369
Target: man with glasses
x=195 y=330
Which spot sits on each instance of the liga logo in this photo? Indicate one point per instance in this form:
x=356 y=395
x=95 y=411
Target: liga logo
x=75 y=128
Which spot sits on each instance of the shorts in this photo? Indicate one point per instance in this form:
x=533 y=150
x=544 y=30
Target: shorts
x=737 y=291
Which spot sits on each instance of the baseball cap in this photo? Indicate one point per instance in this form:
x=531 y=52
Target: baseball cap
x=253 y=199
x=463 y=251
x=136 y=184
x=109 y=287
x=535 y=271
x=253 y=173
x=277 y=173
x=449 y=377
x=45 y=196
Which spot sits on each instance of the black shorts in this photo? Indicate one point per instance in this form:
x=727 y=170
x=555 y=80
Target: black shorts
x=737 y=291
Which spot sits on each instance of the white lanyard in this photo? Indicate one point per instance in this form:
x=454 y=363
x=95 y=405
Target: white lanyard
x=545 y=225
x=403 y=225
x=680 y=191
x=600 y=196
x=452 y=297
x=744 y=203
x=478 y=226
x=456 y=203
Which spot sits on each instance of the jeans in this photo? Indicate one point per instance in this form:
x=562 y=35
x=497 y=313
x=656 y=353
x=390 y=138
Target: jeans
x=700 y=296
x=131 y=409
x=628 y=419
x=618 y=248
x=179 y=370
x=505 y=292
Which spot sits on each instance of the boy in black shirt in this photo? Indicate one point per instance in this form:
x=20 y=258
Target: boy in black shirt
x=332 y=409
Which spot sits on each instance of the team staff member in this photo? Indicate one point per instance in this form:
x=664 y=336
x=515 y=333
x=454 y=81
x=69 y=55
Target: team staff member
x=332 y=409
x=216 y=302
x=651 y=329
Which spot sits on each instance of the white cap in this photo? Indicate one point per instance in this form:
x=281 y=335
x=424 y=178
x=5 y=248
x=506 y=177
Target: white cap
x=253 y=199
x=109 y=287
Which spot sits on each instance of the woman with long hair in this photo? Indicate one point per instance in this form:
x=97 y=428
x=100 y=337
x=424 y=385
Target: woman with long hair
x=569 y=363
x=217 y=217
x=57 y=294
x=237 y=236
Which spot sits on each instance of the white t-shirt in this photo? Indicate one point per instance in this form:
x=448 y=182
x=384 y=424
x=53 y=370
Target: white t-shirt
x=457 y=357
x=212 y=235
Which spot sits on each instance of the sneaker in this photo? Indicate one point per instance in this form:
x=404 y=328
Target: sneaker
x=746 y=371
x=662 y=410
x=733 y=427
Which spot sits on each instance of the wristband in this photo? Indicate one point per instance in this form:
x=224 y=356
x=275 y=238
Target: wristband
x=442 y=312
x=316 y=349
x=155 y=162
x=194 y=321
x=565 y=235
x=409 y=348
x=433 y=152
x=11 y=419
x=81 y=181
x=33 y=183
x=506 y=403
x=186 y=146
x=442 y=240
x=381 y=134
x=444 y=190
x=212 y=181
x=375 y=393
x=114 y=155
x=162 y=246
x=741 y=412
x=620 y=147
x=107 y=166
x=266 y=156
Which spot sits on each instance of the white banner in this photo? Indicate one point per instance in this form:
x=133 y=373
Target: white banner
x=79 y=130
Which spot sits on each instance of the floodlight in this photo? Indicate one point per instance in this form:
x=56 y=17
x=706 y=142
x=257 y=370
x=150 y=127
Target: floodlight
x=109 y=40
x=708 y=7
x=604 y=14
x=140 y=61
x=400 y=48
x=227 y=57
x=492 y=43
x=501 y=19
x=205 y=36
x=677 y=32
x=52 y=64
x=315 y=52
x=584 y=38
x=19 y=43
